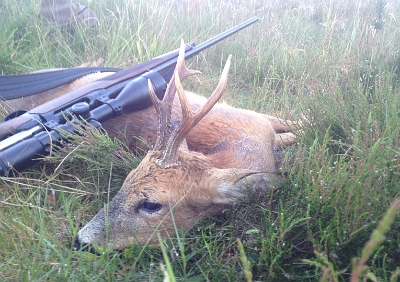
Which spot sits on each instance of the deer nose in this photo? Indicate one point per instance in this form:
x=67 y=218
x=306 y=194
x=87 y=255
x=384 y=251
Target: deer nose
x=78 y=245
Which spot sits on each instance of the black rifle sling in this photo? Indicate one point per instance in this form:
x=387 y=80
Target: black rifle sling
x=23 y=85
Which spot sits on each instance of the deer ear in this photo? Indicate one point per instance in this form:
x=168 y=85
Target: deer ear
x=253 y=184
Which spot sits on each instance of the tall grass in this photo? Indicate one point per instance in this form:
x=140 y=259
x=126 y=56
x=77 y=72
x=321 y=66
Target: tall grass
x=334 y=65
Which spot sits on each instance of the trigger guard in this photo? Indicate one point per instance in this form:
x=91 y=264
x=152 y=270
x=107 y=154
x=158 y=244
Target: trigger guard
x=14 y=114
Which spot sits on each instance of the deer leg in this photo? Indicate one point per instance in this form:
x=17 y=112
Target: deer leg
x=282 y=125
x=285 y=139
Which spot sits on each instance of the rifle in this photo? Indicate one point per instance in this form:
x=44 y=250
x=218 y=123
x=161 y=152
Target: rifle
x=28 y=136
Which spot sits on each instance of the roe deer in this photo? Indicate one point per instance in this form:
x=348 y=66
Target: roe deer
x=205 y=156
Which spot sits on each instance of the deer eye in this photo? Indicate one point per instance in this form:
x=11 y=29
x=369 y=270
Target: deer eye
x=150 y=207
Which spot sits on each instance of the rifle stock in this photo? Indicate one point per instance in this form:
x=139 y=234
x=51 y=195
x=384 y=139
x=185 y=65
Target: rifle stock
x=10 y=127
x=125 y=90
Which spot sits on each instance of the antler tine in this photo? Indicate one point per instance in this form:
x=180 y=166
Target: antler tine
x=190 y=119
x=181 y=69
x=163 y=108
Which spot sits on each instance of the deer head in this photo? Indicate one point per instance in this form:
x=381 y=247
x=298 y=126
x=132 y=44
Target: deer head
x=172 y=187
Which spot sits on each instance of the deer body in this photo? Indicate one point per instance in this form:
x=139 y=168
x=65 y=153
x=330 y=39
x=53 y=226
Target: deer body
x=230 y=137
x=229 y=152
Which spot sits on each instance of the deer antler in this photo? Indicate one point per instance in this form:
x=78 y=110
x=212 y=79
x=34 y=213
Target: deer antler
x=163 y=108
x=189 y=119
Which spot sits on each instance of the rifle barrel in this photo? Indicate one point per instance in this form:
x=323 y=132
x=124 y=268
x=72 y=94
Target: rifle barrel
x=206 y=44
x=202 y=46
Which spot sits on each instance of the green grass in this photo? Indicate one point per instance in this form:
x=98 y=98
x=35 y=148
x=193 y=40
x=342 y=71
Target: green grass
x=334 y=65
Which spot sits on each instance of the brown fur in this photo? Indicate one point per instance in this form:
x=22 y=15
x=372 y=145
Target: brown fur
x=231 y=137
